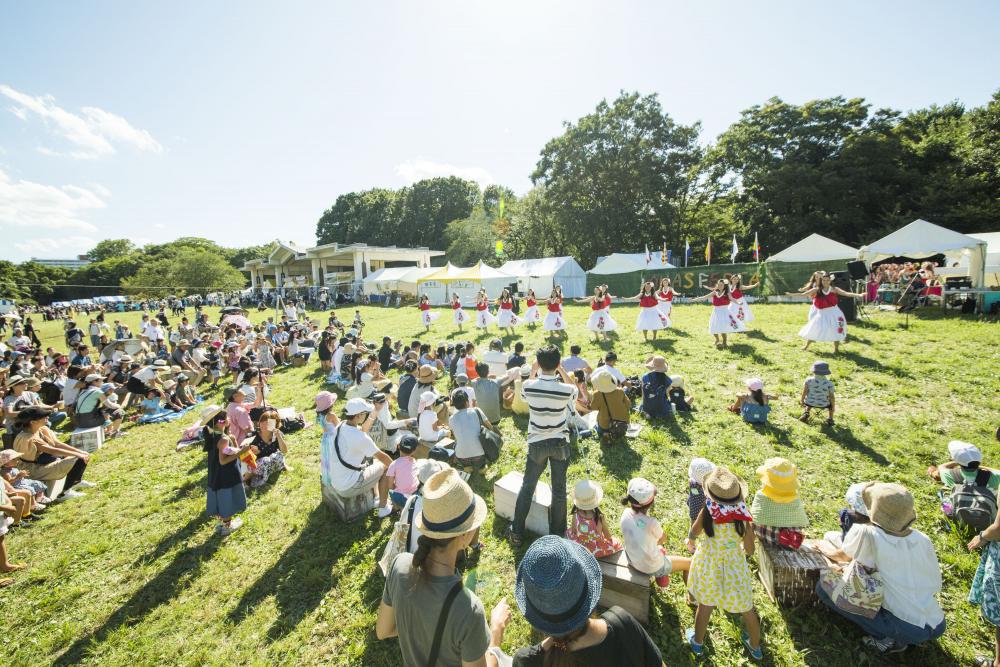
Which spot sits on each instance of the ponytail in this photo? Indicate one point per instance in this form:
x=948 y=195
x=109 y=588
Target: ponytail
x=424 y=546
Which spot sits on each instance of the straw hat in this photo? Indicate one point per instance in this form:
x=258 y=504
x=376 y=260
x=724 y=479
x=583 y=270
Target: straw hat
x=724 y=487
x=677 y=381
x=208 y=412
x=641 y=490
x=780 y=479
x=964 y=453
x=15 y=380
x=93 y=377
x=558 y=585
x=699 y=468
x=161 y=363
x=890 y=506
x=8 y=455
x=587 y=494
x=450 y=507
x=603 y=382
x=657 y=363
x=426 y=374
x=34 y=383
x=324 y=400
x=169 y=384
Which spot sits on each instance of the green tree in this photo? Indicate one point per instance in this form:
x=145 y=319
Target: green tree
x=426 y=207
x=615 y=177
x=471 y=239
x=184 y=271
x=369 y=216
x=241 y=256
x=109 y=248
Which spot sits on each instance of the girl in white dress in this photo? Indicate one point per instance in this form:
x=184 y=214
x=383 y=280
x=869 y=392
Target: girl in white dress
x=484 y=318
x=426 y=314
x=721 y=323
x=826 y=320
x=666 y=295
x=506 y=319
x=457 y=313
x=554 y=320
x=531 y=316
x=738 y=302
x=600 y=321
x=650 y=318
x=813 y=283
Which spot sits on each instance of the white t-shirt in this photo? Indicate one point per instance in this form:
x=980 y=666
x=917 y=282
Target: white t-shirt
x=70 y=392
x=338 y=356
x=640 y=535
x=425 y=425
x=497 y=361
x=355 y=446
x=615 y=373
x=145 y=375
x=908 y=566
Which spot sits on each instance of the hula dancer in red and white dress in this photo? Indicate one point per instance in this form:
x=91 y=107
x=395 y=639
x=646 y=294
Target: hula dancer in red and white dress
x=484 y=318
x=737 y=301
x=531 y=316
x=721 y=323
x=650 y=317
x=506 y=318
x=826 y=322
x=666 y=295
x=554 y=320
x=813 y=283
x=600 y=321
x=426 y=314
x=457 y=313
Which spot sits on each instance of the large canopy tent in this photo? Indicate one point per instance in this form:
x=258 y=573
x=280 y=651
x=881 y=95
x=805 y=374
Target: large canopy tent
x=397 y=279
x=815 y=248
x=992 y=240
x=466 y=282
x=543 y=274
x=923 y=239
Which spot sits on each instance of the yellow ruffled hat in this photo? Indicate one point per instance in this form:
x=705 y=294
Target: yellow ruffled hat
x=780 y=480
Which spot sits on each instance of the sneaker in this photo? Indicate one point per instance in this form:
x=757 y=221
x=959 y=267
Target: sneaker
x=884 y=646
x=84 y=484
x=756 y=653
x=804 y=418
x=514 y=539
x=383 y=512
x=71 y=494
x=696 y=648
x=233 y=526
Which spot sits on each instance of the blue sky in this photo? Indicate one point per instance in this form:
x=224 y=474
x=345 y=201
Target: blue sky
x=243 y=121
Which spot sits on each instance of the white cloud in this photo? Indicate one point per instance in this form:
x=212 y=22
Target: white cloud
x=75 y=245
x=94 y=134
x=27 y=207
x=412 y=171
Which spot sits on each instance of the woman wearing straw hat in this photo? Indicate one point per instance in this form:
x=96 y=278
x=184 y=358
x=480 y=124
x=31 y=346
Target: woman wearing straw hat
x=655 y=388
x=558 y=587
x=905 y=559
x=424 y=603
x=612 y=404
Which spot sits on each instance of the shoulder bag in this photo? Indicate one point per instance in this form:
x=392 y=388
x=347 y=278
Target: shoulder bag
x=616 y=427
x=336 y=448
x=857 y=590
x=442 y=619
x=491 y=441
x=399 y=541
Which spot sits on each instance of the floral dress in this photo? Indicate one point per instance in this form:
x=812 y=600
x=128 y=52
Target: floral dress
x=584 y=531
x=720 y=575
x=264 y=357
x=986 y=584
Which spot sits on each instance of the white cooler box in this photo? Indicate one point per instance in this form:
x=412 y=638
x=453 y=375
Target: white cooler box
x=505 y=492
x=88 y=439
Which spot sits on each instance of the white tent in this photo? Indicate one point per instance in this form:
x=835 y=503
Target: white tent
x=542 y=274
x=815 y=248
x=466 y=282
x=621 y=262
x=992 y=257
x=396 y=279
x=923 y=239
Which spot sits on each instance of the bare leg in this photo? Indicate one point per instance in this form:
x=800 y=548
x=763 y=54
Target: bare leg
x=996 y=640
x=383 y=491
x=806 y=346
x=836 y=346
x=725 y=343
x=701 y=619
x=752 y=621
x=680 y=564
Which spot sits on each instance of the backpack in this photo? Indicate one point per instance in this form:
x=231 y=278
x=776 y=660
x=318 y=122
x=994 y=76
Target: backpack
x=753 y=413
x=973 y=503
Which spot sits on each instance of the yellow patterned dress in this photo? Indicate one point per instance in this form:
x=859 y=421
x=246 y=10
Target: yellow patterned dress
x=720 y=575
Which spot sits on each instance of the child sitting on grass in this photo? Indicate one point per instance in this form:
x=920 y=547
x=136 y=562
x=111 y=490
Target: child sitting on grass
x=402 y=473
x=753 y=405
x=183 y=393
x=643 y=536
x=587 y=526
x=680 y=400
x=19 y=478
x=817 y=392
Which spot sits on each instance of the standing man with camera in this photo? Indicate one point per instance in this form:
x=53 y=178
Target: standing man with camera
x=550 y=397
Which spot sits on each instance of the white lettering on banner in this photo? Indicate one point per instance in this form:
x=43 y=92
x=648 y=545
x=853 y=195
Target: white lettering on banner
x=703 y=280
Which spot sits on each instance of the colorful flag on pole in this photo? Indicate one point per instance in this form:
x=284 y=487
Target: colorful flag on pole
x=708 y=251
x=500 y=208
x=756 y=248
x=665 y=255
x=649 y=257
x=687 y=251
x=735 y=252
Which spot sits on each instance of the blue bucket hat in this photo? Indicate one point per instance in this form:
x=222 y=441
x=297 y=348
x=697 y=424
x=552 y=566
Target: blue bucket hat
x=821 y=368
x=558 y=585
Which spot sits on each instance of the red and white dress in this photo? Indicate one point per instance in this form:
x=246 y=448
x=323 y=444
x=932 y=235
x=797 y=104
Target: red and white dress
x=722 y=320
x=484 y=318
x=531 y=315
x=506 y=317
x=651 y=318
x=600 y=316
x=739 y=307
x=826 y=322
x=554 y=320
x=427 y=315
x=666 y=305
x=457 y=313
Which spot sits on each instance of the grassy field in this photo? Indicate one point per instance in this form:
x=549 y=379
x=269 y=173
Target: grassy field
x=133 y=574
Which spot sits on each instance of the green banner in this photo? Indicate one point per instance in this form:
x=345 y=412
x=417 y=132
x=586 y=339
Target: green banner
x=775 y=277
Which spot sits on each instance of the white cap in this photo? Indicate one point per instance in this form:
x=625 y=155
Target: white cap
x=964 y=453
x=356 y=406
x=698 y=468
x=427 y=398
x=641 y=490
x=366 y=378
x=427 y=468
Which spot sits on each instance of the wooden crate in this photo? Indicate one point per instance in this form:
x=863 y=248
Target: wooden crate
x=505 y=492
x=349 y=509
x=624 y=586
x=790 y=576
x=88 y=439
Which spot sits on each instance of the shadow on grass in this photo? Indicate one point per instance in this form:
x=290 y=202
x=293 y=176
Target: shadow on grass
x=162 y=588
x=779 y=434
x=189 y=487
x=844 y=436
x=873 y=364
x=180 y=535
x=745 y=350
x=673 y=426
x=619 y=458
x=757 y=334
x=301 y=578
x=669 y=626
x=662 y=344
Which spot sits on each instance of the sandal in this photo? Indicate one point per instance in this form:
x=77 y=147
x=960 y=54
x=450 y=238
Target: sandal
x=4 y=583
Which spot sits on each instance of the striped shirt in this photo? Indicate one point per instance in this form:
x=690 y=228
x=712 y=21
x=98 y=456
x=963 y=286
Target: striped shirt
x=550 y=403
